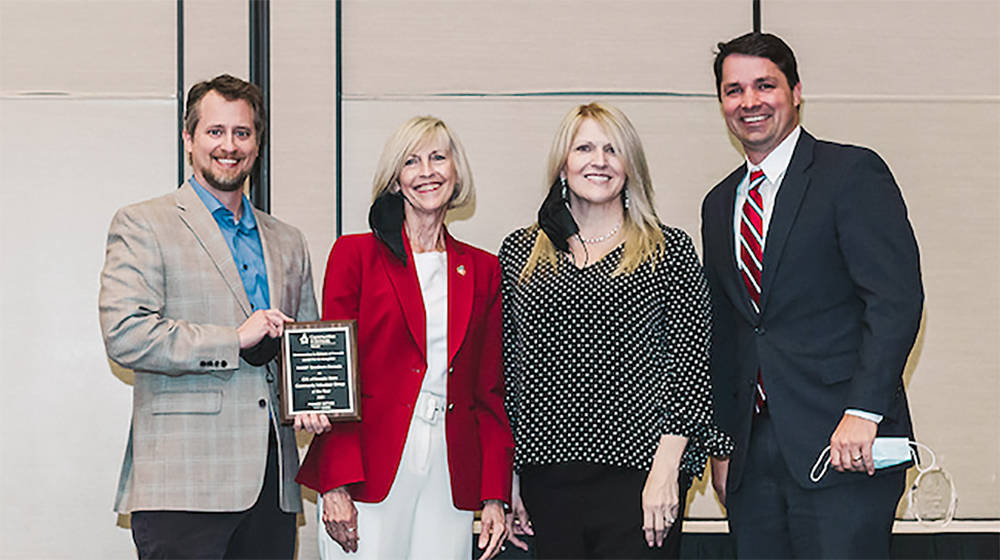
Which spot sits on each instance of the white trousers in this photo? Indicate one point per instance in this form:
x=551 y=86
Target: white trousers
x=417 y=519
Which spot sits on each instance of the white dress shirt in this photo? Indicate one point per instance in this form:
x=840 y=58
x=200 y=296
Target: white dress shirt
x=774 y=167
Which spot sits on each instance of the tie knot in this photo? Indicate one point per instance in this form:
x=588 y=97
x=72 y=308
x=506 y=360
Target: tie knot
x=756 y=176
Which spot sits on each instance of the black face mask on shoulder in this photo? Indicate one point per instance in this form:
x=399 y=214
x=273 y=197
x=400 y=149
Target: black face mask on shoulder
x=386 y=220
x=555 y=218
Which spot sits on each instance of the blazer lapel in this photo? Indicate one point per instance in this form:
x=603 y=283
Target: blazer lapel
x=273 y=260
x=729 y=271
x=405 y=284
x=786 y=207
x=193 y=213
x=460 y=294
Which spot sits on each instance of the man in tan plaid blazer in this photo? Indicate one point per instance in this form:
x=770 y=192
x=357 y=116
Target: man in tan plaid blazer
x=196 y=282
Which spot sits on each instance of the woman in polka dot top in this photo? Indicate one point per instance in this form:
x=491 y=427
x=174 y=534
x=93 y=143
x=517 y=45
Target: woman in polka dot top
x=606 y=349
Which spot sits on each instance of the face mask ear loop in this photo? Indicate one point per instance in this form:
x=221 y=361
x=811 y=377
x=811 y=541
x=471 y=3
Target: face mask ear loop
x=927 y=450
x=812 y=474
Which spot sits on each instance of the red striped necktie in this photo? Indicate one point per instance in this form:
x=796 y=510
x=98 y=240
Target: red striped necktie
x=752 y=257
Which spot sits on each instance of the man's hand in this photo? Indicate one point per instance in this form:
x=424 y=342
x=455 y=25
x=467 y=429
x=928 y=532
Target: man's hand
x=313 y=423
x=851 y=445
x=263 y=322
x=340 y=518
x=492 y=529
x=720 y=473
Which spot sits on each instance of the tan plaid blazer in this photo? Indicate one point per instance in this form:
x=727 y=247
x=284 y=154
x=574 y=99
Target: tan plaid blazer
x=170 y=301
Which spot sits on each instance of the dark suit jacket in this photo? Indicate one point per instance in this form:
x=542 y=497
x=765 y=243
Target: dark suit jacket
x=840 y=305
x=366 y=281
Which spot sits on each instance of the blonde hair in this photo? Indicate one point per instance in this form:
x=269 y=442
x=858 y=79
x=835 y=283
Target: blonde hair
x=641 y=228
x=407 y=138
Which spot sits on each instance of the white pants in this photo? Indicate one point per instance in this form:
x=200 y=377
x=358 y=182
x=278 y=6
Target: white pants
x=417 y=519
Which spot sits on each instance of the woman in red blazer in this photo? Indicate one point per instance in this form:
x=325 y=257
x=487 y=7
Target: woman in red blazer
x=433 y=439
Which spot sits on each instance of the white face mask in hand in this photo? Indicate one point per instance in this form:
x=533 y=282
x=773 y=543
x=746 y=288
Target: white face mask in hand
x=886 y=452
x=891 y=451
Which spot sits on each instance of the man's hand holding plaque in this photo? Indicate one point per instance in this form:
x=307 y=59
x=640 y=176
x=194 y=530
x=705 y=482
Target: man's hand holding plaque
x=319 y=374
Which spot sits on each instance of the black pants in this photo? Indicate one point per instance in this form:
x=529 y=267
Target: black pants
x=583 y=510
x=772 y=516
x=263 y=531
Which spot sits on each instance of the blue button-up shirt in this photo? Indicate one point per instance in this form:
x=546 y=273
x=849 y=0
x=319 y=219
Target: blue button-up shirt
x=243 y=240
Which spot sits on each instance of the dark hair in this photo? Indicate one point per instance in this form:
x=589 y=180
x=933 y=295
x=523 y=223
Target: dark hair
x=763 y=45
x=232 y=89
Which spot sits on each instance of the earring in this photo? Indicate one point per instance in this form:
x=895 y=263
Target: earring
x=563 y=181
x=625 y=198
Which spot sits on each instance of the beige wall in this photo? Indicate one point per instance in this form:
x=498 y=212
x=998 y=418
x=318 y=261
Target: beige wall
x=917 y=81
x=100 y=136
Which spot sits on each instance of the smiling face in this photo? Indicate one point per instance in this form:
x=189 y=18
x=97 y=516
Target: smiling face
x=594 y=169
x=223 y=147
x=759 y=107
x=427 y=178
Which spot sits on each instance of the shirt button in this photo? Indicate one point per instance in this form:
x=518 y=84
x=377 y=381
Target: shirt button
x=262 y=403
x=244 y=267
x=451 y=406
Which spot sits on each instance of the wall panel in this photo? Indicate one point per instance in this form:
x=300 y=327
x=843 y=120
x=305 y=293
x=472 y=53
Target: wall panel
x=303 y=122
x=901 y=48
x=216 y=39
x=86 y=48
x=395 y=47
x=65 y=167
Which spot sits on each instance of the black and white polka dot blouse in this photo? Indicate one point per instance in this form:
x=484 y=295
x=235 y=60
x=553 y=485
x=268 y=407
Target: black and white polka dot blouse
x=598 y=367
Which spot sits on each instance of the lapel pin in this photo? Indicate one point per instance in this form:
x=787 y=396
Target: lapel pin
x=461 y=270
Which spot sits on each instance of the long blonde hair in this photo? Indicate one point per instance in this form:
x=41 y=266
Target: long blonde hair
x=408 y=138
x=641 y=228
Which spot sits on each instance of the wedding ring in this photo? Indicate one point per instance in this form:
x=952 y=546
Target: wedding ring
x=856 y=459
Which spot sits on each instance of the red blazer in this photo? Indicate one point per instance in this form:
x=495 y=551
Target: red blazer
x=366 y=281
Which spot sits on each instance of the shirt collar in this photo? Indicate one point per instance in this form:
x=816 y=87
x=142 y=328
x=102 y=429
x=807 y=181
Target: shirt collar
x=776 y=162
x=218 y=210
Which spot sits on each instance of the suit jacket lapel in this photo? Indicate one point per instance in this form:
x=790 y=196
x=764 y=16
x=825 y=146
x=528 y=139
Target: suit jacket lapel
x=786 y=208
x=405 y=284
x=273 y=260
x=729 y=270
x=460 y=294
x=193 y=213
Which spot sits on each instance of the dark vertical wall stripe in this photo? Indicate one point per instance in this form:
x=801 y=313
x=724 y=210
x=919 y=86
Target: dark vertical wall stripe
x=260 y=74
x=180 y=90
x=338 y=80
x=756 y=16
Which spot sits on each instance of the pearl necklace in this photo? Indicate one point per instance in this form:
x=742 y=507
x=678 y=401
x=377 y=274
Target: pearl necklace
x=605 y=237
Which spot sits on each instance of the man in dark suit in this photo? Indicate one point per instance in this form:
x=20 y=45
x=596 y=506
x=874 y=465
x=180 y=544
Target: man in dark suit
x=817 y=299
